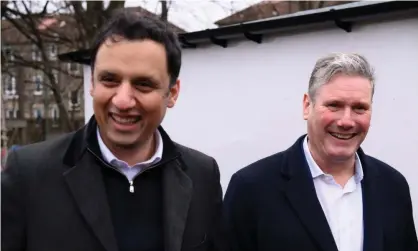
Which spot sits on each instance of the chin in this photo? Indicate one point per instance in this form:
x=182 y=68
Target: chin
x=341 y=155
x=125 y=144
x=126 y=141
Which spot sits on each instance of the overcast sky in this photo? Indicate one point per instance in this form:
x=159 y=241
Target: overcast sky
x=190 y=15
x=193 y=15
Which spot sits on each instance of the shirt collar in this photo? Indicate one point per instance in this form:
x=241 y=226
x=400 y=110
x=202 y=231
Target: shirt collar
x=111 y=158
x=316 y=171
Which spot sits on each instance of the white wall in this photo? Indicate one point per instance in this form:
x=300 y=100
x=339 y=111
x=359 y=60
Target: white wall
x=88 y=108
x=244 y=102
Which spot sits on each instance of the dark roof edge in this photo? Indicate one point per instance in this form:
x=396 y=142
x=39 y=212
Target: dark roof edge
x=334 y=13
x=80 y=56
x=252 y=30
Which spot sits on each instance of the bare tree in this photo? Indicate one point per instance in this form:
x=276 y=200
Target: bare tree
x=69 y=24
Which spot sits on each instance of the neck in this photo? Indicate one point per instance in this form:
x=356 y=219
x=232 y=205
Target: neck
x=341 y=170
x=135 y=153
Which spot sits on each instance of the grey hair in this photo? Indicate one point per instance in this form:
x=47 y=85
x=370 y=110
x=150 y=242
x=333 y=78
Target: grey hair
x=327 y=67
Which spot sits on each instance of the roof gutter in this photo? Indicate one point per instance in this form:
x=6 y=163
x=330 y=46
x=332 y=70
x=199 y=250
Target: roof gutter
x=341 y=16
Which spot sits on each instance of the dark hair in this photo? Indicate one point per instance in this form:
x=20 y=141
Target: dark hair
x=132 y=25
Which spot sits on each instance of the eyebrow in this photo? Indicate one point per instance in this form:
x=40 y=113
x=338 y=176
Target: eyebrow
x=366 y=105
x=107 y=73
x=153 y=81
x=339 y=102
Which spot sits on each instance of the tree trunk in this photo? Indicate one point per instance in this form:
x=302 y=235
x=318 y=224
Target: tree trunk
x=64 y=113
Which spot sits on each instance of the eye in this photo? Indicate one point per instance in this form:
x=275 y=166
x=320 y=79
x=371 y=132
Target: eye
x=144 y=85
x=108 y=80
x=359 y=109
x=333 y=106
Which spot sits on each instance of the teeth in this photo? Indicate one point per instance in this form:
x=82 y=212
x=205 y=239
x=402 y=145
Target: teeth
x=342 y=136
x=125 y=120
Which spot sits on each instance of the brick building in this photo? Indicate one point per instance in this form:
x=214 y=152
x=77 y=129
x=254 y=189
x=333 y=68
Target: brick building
x=30 y=110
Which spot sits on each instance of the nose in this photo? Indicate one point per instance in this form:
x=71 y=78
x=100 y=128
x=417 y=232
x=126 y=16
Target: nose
x=346 y=121
x=124 y=97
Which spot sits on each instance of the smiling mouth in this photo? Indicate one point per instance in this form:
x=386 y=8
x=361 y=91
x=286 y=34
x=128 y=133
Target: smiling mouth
x=343 y=136
x=125 y=120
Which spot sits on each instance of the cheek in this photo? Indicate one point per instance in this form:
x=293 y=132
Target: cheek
x=325 y=119
x=363 y=122
x=153 y=104
x=102 y=98
x=100 y=102
x=102 y=95
x=100 y=110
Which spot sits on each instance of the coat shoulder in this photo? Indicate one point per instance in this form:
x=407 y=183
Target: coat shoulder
x=263 y=169
x=36 y=153
x=200 y=167
x=195 y=156
x=387 y=172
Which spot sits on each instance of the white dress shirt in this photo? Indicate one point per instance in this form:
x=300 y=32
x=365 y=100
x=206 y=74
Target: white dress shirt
x=131 y=171
x=342 y=206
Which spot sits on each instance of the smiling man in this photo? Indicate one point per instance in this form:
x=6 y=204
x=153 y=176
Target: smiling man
x=119 y=183
x=324 y=193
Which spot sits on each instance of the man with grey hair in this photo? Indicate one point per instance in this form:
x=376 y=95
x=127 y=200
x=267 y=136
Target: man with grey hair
x=324 y=193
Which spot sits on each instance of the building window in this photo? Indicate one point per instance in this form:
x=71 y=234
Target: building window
x=74 y=101
x=37 y=111
x=36 y=53
x=54 y=114
x=10 y=87
x=52 y=50
x=38 y=84
x=12 y=113
x=9 y=113
x=8 y=53
x=72 y=68
x=56 y=36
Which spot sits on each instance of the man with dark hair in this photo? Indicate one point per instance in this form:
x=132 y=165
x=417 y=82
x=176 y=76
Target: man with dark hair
x=120 y=182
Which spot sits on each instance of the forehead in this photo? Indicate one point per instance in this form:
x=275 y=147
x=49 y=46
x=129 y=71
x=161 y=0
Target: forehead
x=346 y=88
x=126 y=57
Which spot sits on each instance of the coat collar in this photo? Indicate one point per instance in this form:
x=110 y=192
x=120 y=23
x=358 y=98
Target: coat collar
x=85 y=182
x=300 y=185
x=85 y=138
x=296 y=150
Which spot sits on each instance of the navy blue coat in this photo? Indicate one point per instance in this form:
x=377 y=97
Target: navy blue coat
x=271 y=205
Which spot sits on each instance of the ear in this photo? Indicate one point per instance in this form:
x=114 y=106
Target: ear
x=174 y=94
x=307 y=103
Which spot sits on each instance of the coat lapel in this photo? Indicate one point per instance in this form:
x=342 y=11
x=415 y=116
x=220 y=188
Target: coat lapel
x=302 y=196
x=177 y=194
x=86 y=185
x=373 y=233
x=85 y=182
